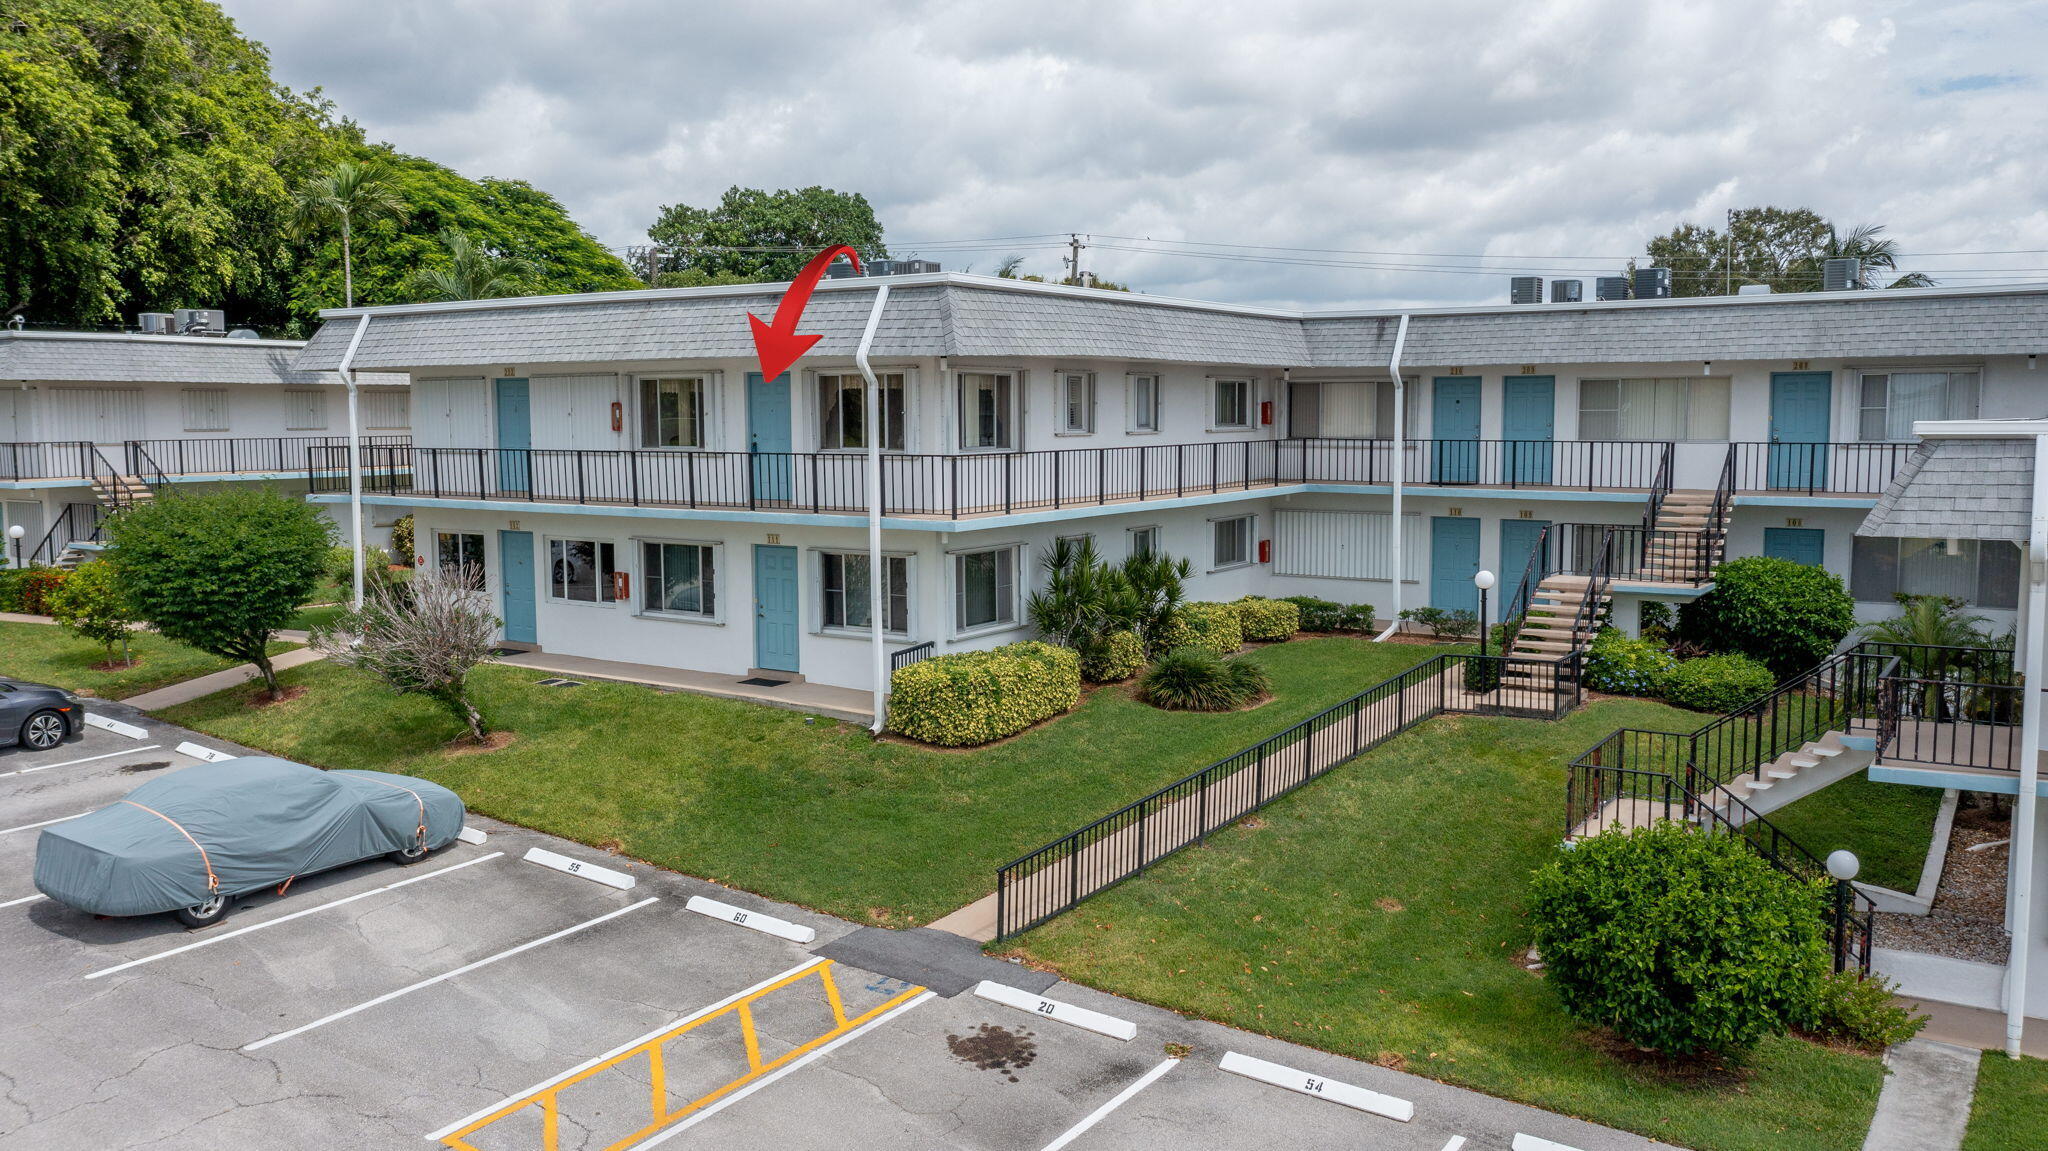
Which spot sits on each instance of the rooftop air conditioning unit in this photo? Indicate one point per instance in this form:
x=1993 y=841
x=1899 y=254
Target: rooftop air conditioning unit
x=200 y=321
x=245 y=334
x=841 y=270
x=1525 y=290
x=1841 y=274
x=916 y=267
x=1567 y=291
x=1610 y=287
x=1753 y=290
x=155 y=323
x=1653 y=283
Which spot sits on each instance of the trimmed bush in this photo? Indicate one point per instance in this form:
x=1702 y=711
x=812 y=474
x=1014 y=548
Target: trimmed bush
x=1193 y=679
x=33 y=587
x=401 y=540
x=1788 y=616
x=1718 y=683
x=1116 y=657
x=1444 y=623
x=1213 y=627
x=1317 y=614
x=1267 y=620
x=1686 y=943
x=1622 y=666
x=1858 y=1010
x=977 y=696
x=1357 y=617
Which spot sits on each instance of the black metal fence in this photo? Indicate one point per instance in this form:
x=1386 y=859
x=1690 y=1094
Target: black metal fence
x=54 y=459
x=1816 y=468
x=1636 y=554
x=228 y=455
x=916 y=653
x=1037 y=886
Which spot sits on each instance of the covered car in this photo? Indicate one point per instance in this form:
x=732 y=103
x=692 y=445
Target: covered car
x=188 y=842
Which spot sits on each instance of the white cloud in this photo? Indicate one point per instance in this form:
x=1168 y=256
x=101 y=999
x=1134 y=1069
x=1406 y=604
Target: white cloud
x=1544 y=129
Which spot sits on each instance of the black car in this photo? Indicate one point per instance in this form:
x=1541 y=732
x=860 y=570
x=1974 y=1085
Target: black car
x=36 y=715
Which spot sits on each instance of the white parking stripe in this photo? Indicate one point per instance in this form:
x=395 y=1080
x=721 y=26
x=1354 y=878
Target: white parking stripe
x=1456 y=1142
x=115 y=726
x=222 y=938
x=447 y=975
x=621 y=1049
x=45 y=823
x=1532 y=1143
x=1122 y=1097
x=778 y=1073
x=22 y=900
x=76 y=762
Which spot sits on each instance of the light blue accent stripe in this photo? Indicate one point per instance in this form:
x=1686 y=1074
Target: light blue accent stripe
x=1860 y=742
x=1661 y=591
x=1773 y=500
x=1960 y=780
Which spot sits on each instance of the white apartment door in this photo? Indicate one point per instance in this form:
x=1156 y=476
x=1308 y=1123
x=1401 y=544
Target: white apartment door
x=100 y=415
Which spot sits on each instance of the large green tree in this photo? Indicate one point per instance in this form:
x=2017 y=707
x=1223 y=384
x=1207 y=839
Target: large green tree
x=1781 y=247
x=755 y=236
x=148 y=162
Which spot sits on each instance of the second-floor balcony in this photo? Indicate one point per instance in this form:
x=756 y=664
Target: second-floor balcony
x=970 y=484
x=80 y=461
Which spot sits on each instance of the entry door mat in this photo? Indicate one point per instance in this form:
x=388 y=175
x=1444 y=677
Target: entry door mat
x=938 y=960
x=757 y=682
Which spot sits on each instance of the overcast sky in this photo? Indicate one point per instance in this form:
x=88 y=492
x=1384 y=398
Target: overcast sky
x=1553 y=130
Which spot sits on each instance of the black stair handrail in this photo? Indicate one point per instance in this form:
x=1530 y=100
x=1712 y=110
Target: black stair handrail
x=1596 y=589
x=1532 y=574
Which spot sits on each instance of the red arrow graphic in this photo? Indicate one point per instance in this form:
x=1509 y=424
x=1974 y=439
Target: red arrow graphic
x=779 y=345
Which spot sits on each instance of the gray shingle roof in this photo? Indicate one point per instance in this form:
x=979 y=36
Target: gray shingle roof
x=91 y=357
x=975 y=316
x=1979 y=489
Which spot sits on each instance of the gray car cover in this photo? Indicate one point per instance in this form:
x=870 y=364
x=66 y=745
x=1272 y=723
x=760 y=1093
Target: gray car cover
x=231 y=827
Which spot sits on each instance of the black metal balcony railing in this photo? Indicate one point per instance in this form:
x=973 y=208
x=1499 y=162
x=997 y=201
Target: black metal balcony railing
x=45 y=460
x=968 y=483
x=1816 y=469
x=240 y=453
x=1634 y=554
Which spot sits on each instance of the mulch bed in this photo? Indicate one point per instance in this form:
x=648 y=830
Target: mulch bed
x=1968 y=918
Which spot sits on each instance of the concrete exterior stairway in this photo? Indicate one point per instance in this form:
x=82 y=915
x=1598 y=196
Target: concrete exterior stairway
x=1552 y=629
x=1687 y=540
x=1793 y=775
x=120 y=491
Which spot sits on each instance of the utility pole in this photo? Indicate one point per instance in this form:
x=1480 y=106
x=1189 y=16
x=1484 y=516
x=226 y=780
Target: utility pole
x=1074 y=245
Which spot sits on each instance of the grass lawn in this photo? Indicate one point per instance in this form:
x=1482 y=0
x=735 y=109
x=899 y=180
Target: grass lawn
x=2010 y=1112
x=1887 y=825
x=48 y=654
x=315 y=615
x=1379 y=914
x=815 y=813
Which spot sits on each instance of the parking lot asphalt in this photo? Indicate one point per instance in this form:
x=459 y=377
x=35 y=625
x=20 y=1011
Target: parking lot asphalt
x=478 y=1000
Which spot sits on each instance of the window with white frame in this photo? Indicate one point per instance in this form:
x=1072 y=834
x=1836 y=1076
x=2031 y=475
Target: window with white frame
x=1664 y=408
x=678 y=579
x=985 y=588
x=1344 y=409
x=1233 y=541
x=1144 y=541
x=849 y=594
x=386 y=409
x=1233 y=408
x=305 y=409
x=672 y=412
x=206 y=409
x=985 y=409
x=1144 y=401
x=1890 y=402
x=1982 y=573
x=459 y=554
x=580 y=571
x=1077 y=402
x=843 y=413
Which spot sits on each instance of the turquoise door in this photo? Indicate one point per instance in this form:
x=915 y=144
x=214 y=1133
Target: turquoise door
x=515 y=569
x=1528 y=422
x=1800 y=545
x=1517 y=544
x=1799 y=429
x=768 y=436
x=515 y=436
x=775 y=619
x=1453 y=561
x=1454 y=426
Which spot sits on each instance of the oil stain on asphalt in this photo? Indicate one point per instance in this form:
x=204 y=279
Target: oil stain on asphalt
x=995 y=1048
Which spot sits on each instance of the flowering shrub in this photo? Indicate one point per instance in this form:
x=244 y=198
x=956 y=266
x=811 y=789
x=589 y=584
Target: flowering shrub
x=1116 y=657
x=1623 y=666
x=1213 y=627
x=1267 y=620
x=977 y=696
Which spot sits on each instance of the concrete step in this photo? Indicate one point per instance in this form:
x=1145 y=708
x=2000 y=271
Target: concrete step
x=1774 y=773
x=1800 y=761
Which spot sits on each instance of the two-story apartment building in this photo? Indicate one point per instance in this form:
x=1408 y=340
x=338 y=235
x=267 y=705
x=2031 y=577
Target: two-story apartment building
x=90 y=421
x=634 y=490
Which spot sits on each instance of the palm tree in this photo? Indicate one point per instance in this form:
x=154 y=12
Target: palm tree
x=472 y=272
x=352 y=194
x=1864 y=242
x=1932 y=627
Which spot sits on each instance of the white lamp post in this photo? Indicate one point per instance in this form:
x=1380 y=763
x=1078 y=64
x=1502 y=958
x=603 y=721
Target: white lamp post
x=1843 y=865
x=14 y=533
x=1484 y=582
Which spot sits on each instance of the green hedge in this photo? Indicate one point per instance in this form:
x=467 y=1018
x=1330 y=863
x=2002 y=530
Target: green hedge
x=1267 y=620
x=1213 y=627
x=1328 y=615
x=1119 y=656
x=978 y=696
x=29 y=589
x=1623 y=666
x=1718 y=683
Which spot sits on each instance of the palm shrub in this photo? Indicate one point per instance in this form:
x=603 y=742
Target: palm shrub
x=1194 y=679
x=1158 y=588
x=1718 y=683
x=1788 y=616
x=1932 y=625
x=1686 y=943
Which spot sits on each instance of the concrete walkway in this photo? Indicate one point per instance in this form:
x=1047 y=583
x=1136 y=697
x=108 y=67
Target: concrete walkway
x=192 y=689
x=821 y=699
x=1925 y=1104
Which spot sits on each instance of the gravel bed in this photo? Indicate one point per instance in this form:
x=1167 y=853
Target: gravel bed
x=1968 y=918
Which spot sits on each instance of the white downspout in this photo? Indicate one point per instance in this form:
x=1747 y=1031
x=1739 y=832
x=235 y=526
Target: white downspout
x=871 y=424
x=2020 y=863
x=355 y=464
x=1400 y=467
